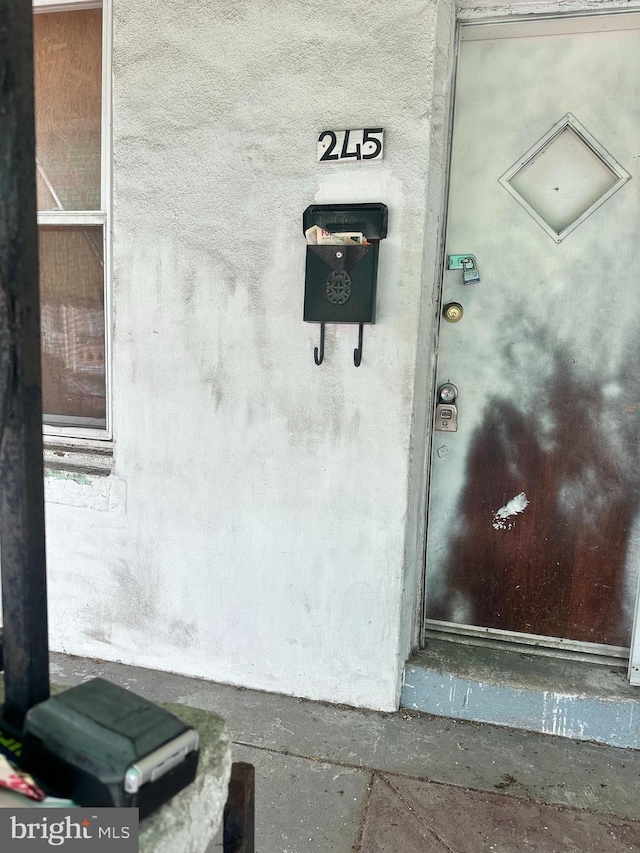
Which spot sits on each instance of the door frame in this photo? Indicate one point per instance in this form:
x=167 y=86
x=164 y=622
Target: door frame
x=544 y=22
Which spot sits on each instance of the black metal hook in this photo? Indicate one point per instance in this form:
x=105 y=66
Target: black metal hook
x=318 y=357
x=357 y=353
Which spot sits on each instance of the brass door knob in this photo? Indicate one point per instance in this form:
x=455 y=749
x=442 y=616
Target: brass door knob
x=452 y=312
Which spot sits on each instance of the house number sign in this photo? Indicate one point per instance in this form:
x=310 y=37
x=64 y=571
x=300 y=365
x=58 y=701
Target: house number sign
x=346 y=145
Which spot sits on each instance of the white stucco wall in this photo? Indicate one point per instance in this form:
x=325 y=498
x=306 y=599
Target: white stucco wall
x=254 y=527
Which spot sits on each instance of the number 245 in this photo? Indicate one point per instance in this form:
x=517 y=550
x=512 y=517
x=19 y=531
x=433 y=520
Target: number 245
x=367 y=136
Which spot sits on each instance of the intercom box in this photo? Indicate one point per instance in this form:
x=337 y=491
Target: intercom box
x=340 y=281
x=101 y=745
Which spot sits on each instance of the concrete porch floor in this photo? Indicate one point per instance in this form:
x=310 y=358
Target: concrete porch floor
x=332 y=778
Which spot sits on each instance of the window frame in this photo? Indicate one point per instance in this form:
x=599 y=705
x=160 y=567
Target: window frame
x=80 y=435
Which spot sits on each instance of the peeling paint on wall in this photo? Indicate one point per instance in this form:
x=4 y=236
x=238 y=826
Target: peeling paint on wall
x=77 y=490
x=82 y=479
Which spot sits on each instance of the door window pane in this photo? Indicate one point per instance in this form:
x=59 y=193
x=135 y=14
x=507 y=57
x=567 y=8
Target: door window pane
x=68 y=92
x=72 y=320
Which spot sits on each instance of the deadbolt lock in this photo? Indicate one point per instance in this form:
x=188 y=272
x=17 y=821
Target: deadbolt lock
x=452 y=312
x=447 y=393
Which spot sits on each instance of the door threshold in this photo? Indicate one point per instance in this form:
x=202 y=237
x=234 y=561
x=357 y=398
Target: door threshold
x=571 y=698
x=533 y=644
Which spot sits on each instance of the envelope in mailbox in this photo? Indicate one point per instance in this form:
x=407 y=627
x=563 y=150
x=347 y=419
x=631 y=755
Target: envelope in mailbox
x=340 y=284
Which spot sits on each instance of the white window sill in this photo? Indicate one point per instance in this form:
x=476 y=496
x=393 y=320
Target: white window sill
x=84 y=456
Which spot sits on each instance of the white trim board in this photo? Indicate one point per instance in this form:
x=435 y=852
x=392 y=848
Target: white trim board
x=548 y=25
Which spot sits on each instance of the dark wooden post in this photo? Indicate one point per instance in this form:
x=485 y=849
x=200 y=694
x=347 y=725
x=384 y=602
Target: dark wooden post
x=22 y=553
x=239 y=812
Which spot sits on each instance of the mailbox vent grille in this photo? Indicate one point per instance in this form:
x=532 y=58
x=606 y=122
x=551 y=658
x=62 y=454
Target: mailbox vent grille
x=338 y=287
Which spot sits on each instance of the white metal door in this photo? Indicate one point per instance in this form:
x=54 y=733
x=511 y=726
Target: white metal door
x=534 y=520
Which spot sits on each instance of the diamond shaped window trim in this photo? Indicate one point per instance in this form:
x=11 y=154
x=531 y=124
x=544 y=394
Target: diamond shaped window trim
x=564 y=177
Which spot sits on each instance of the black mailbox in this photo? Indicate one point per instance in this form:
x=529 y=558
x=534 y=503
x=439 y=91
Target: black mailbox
x=340 y=281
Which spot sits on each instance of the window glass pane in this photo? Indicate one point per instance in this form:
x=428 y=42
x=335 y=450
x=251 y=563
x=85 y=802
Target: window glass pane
x=68 y=91
x=72 y=318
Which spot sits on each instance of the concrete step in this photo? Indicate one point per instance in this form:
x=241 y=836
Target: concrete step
x=572 y=698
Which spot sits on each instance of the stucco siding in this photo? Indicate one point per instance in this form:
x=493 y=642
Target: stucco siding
x=253 y=529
